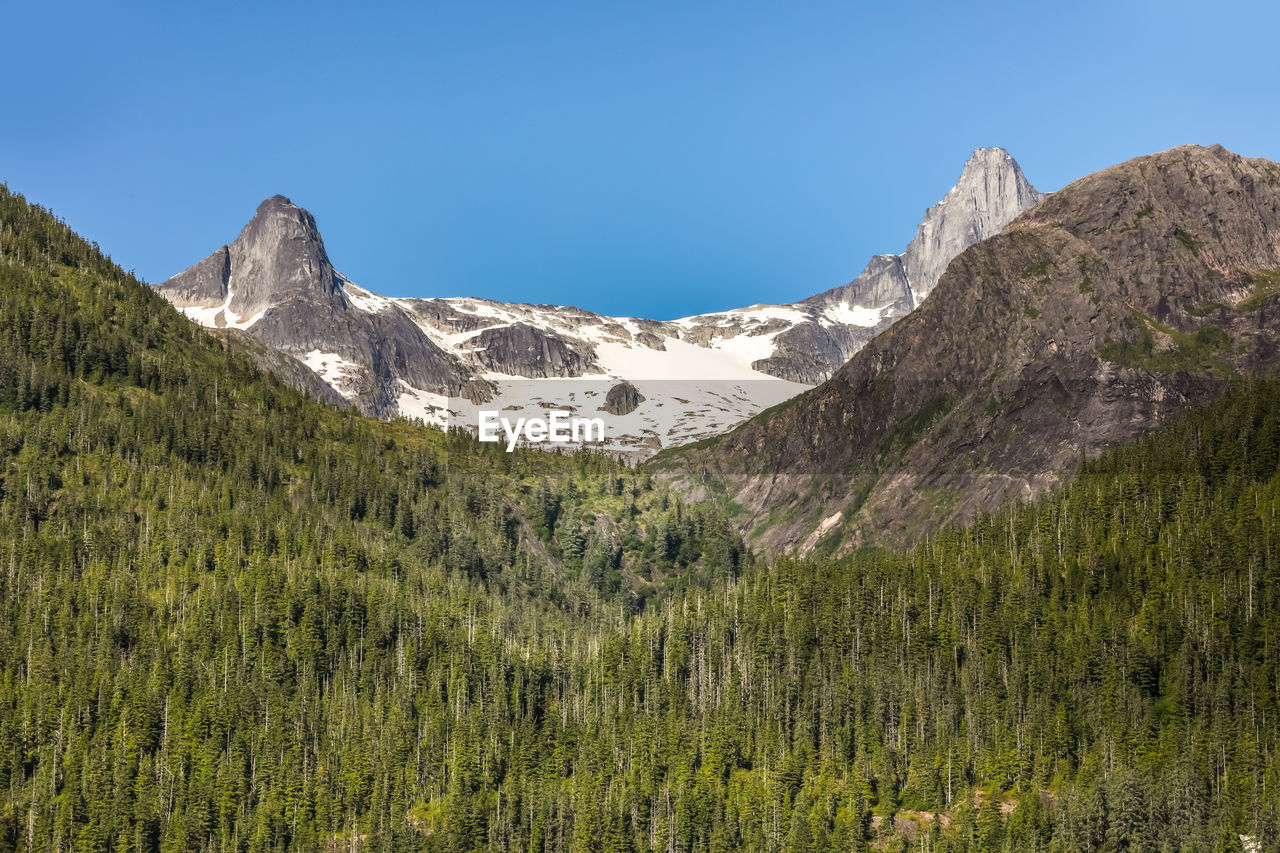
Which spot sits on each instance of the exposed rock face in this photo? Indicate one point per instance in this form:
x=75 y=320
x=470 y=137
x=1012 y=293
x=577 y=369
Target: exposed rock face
x=279 y=256
x=622 y=399
x=882 y=282
x=408 y=356
x=523 y=350
x=991 y=191
x=205 y=284
x=808 y=352
x=1088 y=321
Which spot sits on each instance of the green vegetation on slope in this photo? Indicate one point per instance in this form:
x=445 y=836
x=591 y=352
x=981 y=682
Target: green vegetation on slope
x=1200 y=351
x=232 y=619
x=1266 y=285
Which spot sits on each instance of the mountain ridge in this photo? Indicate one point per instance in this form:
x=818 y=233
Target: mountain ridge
x=1086 y=322
x=437 y=359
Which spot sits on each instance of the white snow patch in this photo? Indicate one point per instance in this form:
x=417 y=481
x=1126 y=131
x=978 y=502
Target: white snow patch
x=756 y=314
x=334 y=369
x=765 y=313
x=598 y=334
x=845 y=314
x=681 y=360
x=364 y=300
x=418 y=405
x=208 y=317
x=482 y=309
x=203 y=316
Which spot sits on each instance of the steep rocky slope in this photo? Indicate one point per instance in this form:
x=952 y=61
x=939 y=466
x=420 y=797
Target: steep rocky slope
x=440 y=360
x=1084 y=323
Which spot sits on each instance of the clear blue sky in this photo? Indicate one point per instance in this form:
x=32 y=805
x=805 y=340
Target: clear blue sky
x=652 y=159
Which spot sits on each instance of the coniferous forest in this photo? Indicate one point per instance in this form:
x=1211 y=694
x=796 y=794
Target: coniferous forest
x=236 y=619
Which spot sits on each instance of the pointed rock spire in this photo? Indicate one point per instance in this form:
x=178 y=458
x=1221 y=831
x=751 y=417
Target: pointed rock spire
x=991 y=191
x=278 y=257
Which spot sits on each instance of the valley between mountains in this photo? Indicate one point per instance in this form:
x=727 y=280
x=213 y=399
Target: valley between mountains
x=999 y=571
x=1015 y=335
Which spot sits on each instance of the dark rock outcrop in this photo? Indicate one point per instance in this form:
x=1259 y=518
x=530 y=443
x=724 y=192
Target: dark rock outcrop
x=523 y=350
x=622 y=399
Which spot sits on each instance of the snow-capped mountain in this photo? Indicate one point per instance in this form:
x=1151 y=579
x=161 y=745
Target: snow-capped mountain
x=442 y=359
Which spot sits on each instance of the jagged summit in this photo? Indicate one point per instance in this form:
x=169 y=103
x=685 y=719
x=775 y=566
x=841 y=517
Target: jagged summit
x=989 y=194
x=991 y=191
x=278 y=257
x=282 y=257
x=280 y=204
x=275 y=282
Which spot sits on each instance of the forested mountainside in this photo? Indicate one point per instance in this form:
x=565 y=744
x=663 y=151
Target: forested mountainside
x=232 y=618
x=158 y=490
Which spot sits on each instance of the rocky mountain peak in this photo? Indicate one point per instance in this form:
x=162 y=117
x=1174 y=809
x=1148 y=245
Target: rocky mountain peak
x=278 y=257
x=275 y=283
x=276 y=201
x=991 y=191
x=986 y=173
x=984 y=160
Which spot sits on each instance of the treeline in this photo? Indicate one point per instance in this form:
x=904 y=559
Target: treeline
x=233 y=619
